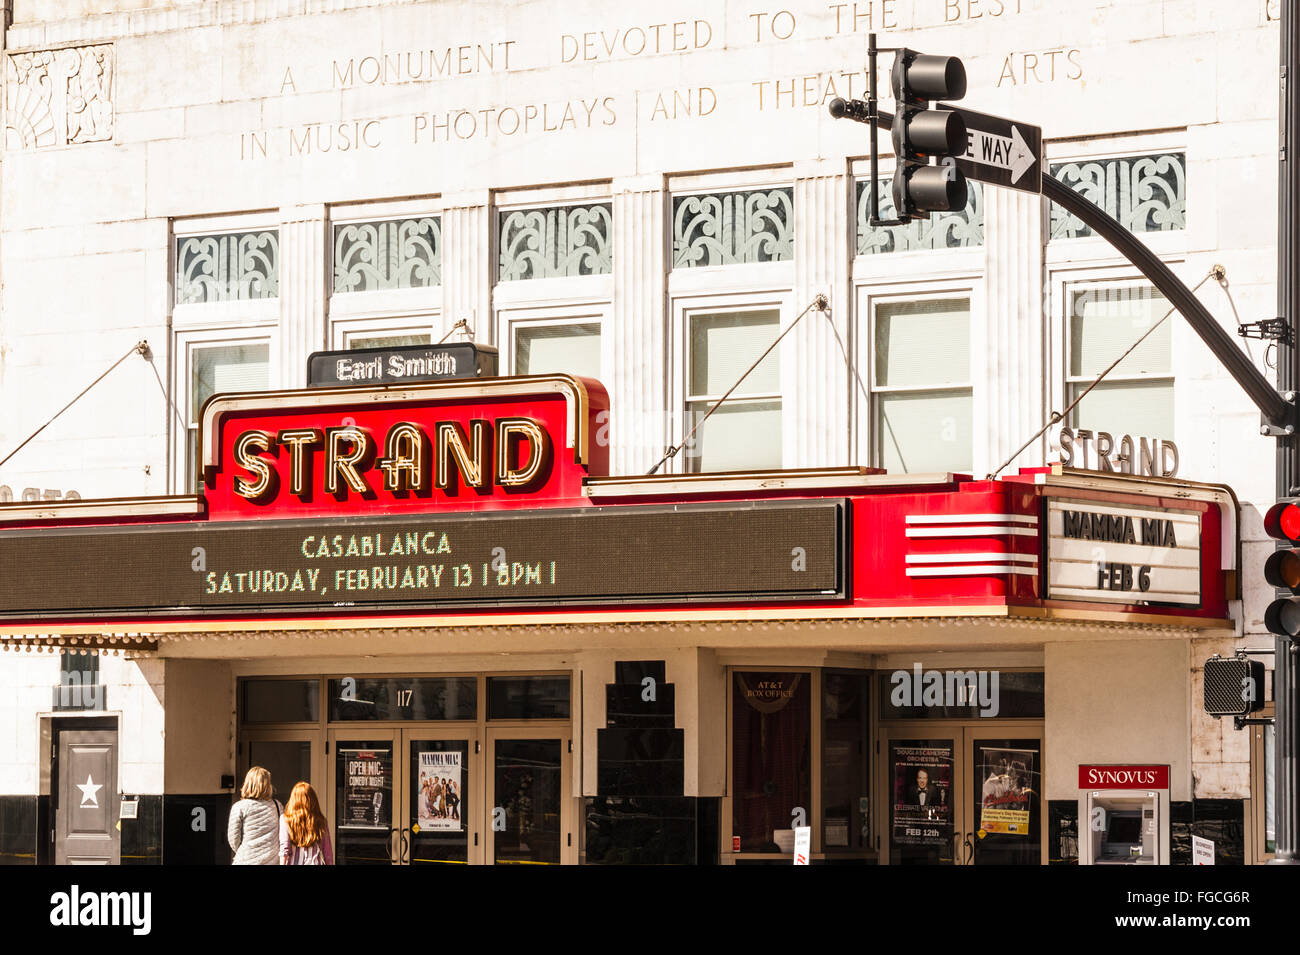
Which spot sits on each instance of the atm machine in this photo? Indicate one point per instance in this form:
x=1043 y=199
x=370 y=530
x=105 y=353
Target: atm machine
x=1123 y=827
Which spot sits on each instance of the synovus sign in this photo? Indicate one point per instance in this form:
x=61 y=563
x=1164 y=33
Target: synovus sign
x=1123 y=777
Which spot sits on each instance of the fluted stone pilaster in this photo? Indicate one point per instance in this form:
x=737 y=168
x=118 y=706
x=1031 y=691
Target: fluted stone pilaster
x=304 y=270
x=814 y=363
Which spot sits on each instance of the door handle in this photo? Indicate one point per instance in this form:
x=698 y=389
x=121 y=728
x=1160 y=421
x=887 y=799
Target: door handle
x=970 y=850
x=391 y=832
x=404 y=856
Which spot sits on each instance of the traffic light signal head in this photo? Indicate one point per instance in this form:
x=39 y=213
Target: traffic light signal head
x=921 y=134
x=926 y=189
x=1282 y=521
x=918 y=77
x=1282 y=569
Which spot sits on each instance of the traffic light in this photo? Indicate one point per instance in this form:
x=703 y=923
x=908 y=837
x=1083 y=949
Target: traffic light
x=921 y=133
x=1282 y=569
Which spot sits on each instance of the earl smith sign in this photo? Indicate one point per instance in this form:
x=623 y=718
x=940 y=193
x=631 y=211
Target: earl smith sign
x=401 y=365
x=1123 y=554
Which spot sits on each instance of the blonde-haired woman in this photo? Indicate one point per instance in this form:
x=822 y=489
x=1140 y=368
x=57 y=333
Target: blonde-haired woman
x=253 y=829
x=304 y=833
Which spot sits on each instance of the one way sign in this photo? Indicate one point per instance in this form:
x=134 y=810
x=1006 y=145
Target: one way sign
x=1002 y=151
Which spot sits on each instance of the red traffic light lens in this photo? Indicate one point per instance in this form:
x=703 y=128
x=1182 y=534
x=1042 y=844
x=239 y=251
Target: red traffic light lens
x=1282 y=522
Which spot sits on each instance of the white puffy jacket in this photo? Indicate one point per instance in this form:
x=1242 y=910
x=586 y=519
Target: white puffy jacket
x=254 y=832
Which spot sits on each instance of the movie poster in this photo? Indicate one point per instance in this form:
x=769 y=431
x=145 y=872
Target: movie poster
x=440 y=784
x=922 y=794
x=367 y=789
x=1008 y=779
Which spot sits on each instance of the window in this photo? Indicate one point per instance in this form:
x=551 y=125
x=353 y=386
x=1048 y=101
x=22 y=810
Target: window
x=1137 y=397
x=386 y=287
x=922 y=400
x=771 y=740
x=226 y=313
x=528 y=697
x=213 y=368
x=572 y=349
x=79 y=687
x=280 y=701
x=388 y=341
x=745 y=433
x=845 y=736
x=1143 y=193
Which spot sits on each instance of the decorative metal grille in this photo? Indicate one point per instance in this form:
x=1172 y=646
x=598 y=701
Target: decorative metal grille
x=1144 y=193
x=555 y=242
x=943 y=230
x=395 y=253
x=226 y=268
x=732 y=228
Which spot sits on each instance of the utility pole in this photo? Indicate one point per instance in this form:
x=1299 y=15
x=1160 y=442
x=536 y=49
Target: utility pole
x=1286 y=678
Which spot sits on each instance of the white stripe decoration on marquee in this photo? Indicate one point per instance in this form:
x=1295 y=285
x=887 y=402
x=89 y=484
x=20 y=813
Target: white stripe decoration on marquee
x=953 y=528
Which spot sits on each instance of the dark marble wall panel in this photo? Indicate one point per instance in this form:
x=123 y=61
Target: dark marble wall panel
x=194 y=829
x=18 y=819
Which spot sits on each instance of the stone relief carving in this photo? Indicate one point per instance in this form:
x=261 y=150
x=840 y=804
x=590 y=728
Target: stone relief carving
x=59 y=97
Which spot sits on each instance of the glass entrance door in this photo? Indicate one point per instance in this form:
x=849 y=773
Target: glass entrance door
x=443 y=792
x=530 y=812
x=1004 y=826
x=291 y=757
x=406 y=797
x=365 y=766
x=922 y=780
x=962 y=794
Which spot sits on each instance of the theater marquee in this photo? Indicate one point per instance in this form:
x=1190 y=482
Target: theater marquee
x=1122 y=554
x=491 y=497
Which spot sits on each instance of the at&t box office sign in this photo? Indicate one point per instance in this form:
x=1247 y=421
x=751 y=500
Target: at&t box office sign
x=420 y=502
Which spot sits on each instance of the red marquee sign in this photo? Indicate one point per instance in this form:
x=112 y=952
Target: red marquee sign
x=466 y=446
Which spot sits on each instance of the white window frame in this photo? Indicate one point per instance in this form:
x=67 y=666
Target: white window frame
x=344 y=332
x=868 y=300
x=549 y=316
x=573 y=299
x=186 y=342
x=1062 y=283
x=246 y=322
x=1094 y=249
x=684 y=308
x=379 y=312
x=712 y=289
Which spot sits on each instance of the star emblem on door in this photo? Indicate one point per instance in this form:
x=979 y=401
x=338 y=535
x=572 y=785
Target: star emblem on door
x=88 y=790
